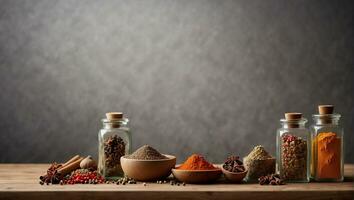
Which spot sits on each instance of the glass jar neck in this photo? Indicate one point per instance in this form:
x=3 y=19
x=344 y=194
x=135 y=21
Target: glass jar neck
x=329 y=119
x=111 y=124
x=293 y=123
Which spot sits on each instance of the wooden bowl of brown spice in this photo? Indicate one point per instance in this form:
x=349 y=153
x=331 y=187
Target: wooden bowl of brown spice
x=147 y=164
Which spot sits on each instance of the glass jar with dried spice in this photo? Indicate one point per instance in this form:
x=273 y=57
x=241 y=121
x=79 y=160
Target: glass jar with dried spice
x=327 y=145
x=114 y=141
x=293 y=149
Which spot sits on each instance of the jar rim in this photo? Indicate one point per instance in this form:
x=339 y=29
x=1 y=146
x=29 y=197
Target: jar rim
x=294 y=121
x=123 y=120
x=331 y=116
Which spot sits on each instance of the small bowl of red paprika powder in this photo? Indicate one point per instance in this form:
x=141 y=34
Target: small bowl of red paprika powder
x=196 y=170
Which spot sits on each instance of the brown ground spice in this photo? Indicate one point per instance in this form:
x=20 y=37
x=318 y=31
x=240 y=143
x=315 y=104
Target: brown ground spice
x=146 y=153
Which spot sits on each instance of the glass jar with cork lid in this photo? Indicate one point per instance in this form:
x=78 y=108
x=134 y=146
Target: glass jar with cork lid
x=293 y=149
x=114 y=141
x=327 y=145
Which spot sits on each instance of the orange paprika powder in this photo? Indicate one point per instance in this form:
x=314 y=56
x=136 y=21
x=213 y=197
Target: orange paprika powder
x=196 y=162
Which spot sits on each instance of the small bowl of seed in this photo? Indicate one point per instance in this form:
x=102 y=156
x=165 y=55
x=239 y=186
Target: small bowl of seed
x=233 y=169
x=147 y=164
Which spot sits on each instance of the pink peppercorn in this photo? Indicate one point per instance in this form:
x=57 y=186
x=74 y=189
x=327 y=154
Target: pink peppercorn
x=83 y=177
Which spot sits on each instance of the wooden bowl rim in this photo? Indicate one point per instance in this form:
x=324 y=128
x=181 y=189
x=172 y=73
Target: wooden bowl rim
x=272 y=158
x=196 y=171
x=233 y=173
x=169 y=158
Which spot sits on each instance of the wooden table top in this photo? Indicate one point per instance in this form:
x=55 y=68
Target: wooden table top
x=20 y=181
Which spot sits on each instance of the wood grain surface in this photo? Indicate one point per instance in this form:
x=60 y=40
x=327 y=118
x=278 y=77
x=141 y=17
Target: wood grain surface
x=20 y=181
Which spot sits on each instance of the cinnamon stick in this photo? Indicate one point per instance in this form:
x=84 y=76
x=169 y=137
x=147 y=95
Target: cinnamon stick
x=70 y=161
x=75 y=158
x=70 y=167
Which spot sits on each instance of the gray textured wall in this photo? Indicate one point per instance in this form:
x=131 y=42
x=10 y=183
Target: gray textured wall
x=212 y=77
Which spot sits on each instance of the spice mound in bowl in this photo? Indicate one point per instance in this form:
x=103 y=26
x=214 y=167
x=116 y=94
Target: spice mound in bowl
x=258 y=163
x=234 y=169
x=196 y=170
x=146 y=153
x=147 y=164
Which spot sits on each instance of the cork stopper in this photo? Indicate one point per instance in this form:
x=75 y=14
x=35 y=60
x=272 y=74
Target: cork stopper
x=114 y=115
x=325 y=109
x=293 y=116
x=293 y=119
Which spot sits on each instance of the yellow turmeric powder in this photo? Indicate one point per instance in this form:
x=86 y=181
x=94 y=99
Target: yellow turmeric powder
x=328 y=156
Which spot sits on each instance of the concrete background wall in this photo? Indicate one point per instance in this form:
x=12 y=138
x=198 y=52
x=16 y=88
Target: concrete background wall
x=212 y=77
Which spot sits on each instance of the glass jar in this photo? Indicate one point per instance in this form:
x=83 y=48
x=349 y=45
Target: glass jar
x=114 y=141
x=327 y=146
x=293 y=149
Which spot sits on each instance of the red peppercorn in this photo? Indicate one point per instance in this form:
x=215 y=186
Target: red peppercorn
x=83 y=177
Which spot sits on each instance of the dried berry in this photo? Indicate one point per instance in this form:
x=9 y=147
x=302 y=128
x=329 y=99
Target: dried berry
x=114 y=148
x=83 y=176
x=293 y=158
x=271 y=179
x=234 y=164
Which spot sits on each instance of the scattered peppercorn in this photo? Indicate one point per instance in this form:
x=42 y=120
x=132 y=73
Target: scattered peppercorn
x=174 y=182
x=125 y=180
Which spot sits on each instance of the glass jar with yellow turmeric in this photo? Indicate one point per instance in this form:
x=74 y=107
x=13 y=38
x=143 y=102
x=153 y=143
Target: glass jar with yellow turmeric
x=327 y=146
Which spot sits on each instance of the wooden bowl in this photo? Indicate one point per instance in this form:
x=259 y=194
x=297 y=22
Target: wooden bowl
x=233 y=176
x=260 y=168
x=148 y=170
x=197 y=176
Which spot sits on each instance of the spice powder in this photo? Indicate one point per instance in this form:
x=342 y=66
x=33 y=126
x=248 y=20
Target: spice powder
x=328 y=155
x=146 y=153
x=196 y=162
